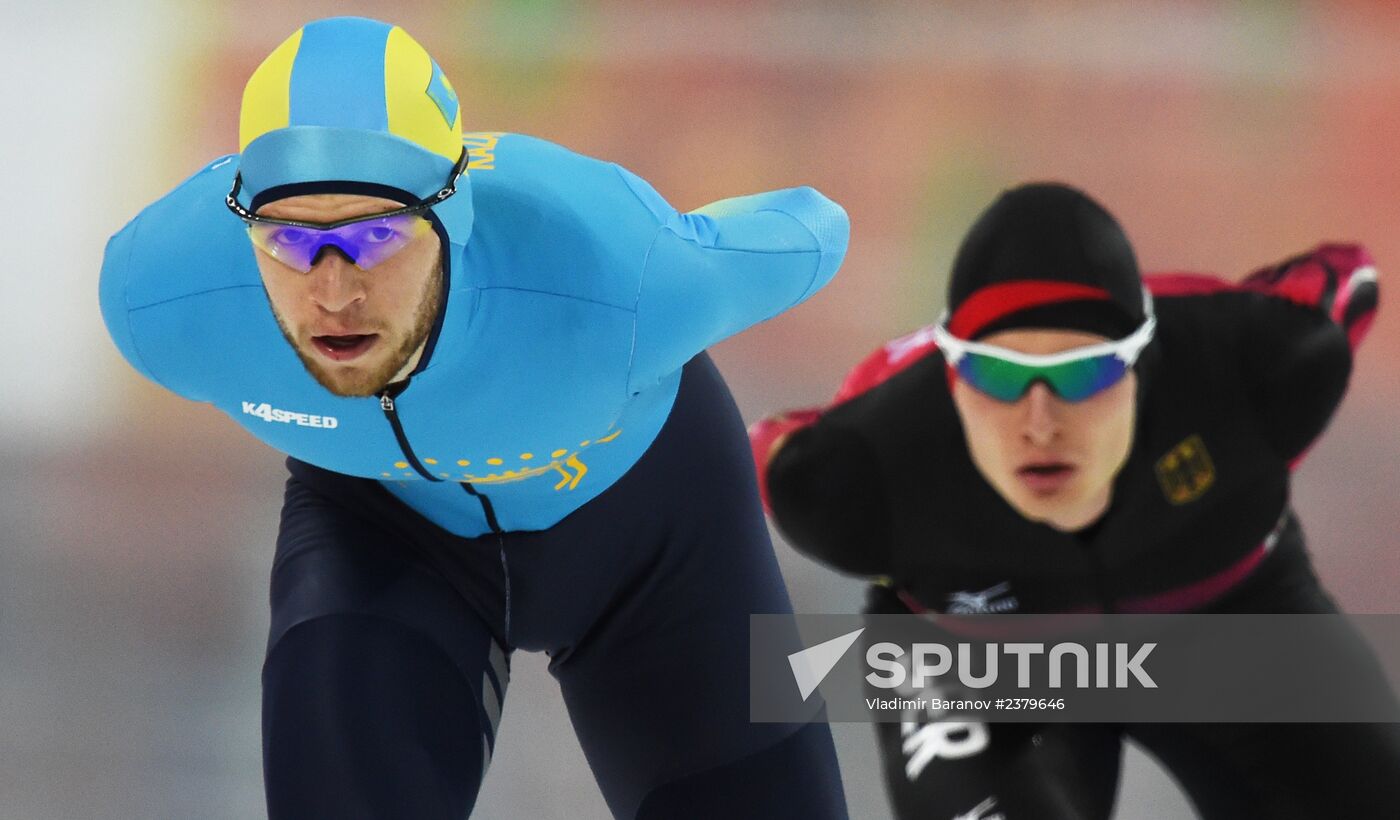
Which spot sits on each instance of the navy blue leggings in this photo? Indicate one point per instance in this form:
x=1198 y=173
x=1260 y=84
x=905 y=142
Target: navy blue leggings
x=389 y=650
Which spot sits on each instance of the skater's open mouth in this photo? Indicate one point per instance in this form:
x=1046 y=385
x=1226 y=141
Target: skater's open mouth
x=1046 y=477
x=344 y=347
x=1047 y=468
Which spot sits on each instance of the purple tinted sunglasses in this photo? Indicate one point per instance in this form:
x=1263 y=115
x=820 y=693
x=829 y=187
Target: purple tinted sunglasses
x=365 y=240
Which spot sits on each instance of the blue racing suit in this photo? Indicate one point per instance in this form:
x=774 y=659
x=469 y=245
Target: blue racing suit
x=574 y=295
x=563 y=471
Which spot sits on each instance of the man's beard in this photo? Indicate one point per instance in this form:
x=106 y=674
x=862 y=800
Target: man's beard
x=360 y=383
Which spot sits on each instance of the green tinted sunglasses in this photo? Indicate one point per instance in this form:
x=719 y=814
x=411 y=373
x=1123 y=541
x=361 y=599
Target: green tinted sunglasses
x=1074 y=375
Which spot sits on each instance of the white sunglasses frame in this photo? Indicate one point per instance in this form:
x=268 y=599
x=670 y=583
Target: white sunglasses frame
x=1127 y=348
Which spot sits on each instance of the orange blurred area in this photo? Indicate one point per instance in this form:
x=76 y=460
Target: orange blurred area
x=1223 y=135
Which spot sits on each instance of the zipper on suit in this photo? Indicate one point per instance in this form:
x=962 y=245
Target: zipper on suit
x=386 y=403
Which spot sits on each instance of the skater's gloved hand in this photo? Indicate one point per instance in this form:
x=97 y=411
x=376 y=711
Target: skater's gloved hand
x=767 y=436
x=1338 y=279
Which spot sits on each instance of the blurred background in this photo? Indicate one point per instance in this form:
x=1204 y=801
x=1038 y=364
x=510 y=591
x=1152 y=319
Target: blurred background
x=136 y=529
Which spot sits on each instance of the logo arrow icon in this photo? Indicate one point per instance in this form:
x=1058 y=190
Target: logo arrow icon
x=811 y=666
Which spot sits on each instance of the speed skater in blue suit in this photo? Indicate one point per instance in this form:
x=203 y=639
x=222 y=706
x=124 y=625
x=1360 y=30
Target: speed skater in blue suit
x=483 y=355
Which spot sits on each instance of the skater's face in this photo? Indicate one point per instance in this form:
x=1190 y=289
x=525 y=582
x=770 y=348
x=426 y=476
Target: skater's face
x=1052 y=460
x=354 y=330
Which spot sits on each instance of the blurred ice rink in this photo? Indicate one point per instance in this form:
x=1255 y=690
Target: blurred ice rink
x=136 y=529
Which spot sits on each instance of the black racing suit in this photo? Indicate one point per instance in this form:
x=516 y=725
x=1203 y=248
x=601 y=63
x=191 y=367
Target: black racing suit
x=1237 y=383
